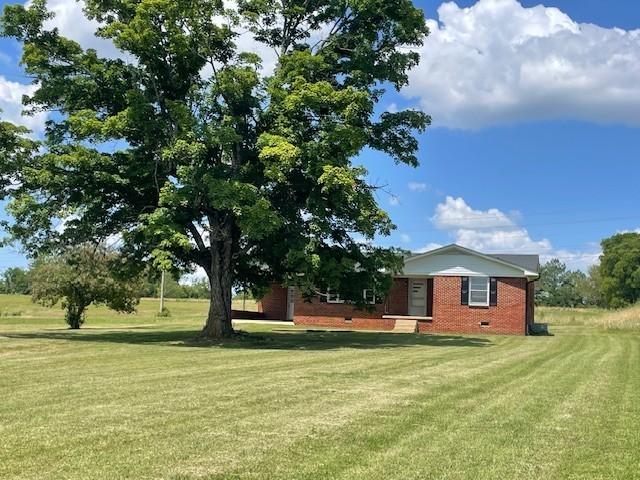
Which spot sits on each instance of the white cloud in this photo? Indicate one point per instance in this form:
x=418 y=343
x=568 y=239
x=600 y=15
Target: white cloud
x=574 y=260
x=394 y=200
x=498 y=62
x=501 y=240
x=11 y=105
x=493 y=231
x=495 y=62
x=455 y=213
x=417 y=186
x=405 y=238
x=73 y=24
x=637 y=230
x=428 y=247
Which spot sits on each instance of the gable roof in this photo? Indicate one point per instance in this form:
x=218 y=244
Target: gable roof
x=529 y=262
x=529 y=265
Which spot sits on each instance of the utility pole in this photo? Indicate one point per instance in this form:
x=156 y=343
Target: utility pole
x=162 y=292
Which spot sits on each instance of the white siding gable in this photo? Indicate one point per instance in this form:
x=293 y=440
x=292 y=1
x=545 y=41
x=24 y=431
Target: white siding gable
x=458 y=264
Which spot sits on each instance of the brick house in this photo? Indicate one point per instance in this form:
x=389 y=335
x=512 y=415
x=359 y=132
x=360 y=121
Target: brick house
x=448 y=290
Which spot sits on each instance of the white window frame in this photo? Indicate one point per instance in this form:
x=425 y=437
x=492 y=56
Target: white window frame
x=337 y=298
x=364 y=295
x=479 y=304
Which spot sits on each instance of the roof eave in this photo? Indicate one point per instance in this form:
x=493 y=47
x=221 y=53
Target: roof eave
x=525 y=272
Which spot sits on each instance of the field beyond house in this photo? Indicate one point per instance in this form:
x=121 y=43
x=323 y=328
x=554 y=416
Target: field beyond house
x=135 y=397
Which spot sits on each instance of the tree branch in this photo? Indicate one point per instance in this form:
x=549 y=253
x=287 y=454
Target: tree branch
x=197 y=237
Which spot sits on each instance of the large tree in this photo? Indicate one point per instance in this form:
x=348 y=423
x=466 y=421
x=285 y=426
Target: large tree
x=619 y=270
x=561 y=287
x=195 y=158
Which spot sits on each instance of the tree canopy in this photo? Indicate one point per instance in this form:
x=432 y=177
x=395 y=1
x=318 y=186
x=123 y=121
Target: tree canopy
x=184 y=149
x=560 y=287
x=619 y=270
x=15 y=280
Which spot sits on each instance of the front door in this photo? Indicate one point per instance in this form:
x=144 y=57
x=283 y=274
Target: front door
x=418 y=297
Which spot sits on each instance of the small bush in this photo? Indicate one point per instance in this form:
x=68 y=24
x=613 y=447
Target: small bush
x=164 y=313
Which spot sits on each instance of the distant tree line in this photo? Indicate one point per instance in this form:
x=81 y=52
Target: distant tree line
x=198 y=288
x=560 y=287
x=613 y=283
x=18 y=280
x=15 y=280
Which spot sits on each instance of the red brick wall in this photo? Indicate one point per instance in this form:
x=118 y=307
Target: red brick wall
x=274 y=303
x=340 y=315
x=361 y=323
x=398 y=299
x=449 y=316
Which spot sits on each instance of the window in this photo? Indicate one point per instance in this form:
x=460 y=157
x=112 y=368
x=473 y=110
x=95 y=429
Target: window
x=369 y=296
x=333 y=297
x=479 y=291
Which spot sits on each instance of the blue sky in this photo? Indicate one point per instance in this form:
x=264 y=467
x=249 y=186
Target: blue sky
x=535 y=143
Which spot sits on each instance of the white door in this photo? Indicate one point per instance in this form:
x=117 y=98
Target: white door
x=290 y=302
x=418 y=297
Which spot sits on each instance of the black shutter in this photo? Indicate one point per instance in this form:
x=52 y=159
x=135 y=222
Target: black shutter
x=464 y=291
x=429 y=297
x=493 y=292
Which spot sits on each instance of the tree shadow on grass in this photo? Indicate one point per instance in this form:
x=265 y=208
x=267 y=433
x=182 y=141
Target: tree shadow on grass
x=274 y=340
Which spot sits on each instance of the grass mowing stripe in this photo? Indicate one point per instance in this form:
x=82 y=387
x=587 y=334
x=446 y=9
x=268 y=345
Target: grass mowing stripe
x=624 y=446
x=353 y=448
x=290 y=449
x=462 y=370
x=145 y=425
x=484 y=419
x=603 y=403
x=510 y=431
x=102 y=369
x=428 y=419
x=313 y=408
x=79 y=401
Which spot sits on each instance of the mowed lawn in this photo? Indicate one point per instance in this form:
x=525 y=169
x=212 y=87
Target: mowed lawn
x=133 y=396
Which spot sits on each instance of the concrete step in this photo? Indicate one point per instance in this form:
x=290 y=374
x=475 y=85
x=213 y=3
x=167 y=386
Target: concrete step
x=405 y=326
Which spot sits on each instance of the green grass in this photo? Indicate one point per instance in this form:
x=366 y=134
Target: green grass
x=20 y=311
x=135 y=397
x=612 y=320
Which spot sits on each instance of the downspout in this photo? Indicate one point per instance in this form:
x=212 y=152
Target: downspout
x=533 y=299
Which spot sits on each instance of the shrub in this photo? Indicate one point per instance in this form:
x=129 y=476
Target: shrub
x=81 y=276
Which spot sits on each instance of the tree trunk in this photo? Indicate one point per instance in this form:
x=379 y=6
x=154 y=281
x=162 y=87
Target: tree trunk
x=218 y=323
x=75 y=315
x=220 y=274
